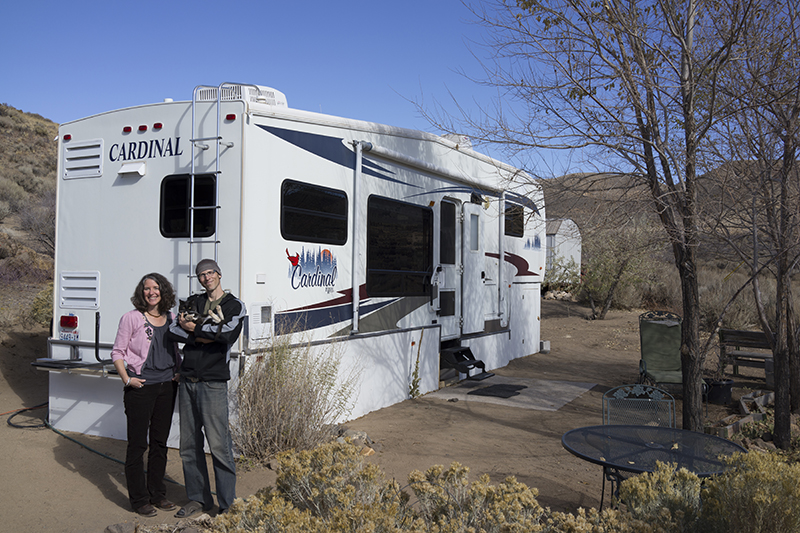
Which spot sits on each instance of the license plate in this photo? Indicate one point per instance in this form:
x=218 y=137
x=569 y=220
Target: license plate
x=70 y=336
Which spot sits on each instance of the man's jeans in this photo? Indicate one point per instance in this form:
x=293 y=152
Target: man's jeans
x=204 y=405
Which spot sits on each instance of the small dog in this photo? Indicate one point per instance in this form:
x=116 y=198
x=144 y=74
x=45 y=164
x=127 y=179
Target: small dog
x=190 y=312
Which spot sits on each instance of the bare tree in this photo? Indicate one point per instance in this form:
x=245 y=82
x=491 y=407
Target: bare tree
x=758 y=213
x=634 y=83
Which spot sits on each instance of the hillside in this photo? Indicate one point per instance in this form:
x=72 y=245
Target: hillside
x=28 y=160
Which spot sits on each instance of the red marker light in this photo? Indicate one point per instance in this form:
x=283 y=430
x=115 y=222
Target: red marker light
x=142 y=128
x=158 y=126
x=127 y=129
x=231 y=117
x=67 y=137
x=69 y=321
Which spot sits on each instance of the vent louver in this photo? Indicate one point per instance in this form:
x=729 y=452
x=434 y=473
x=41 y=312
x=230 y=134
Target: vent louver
x=83 y=159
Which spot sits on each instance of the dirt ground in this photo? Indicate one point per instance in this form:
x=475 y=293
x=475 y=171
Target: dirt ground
x=51 y=483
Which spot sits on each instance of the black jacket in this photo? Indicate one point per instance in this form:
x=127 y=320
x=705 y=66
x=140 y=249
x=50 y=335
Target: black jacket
x=209 y=361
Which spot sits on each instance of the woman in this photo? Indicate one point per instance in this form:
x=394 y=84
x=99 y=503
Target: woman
x=148 y=368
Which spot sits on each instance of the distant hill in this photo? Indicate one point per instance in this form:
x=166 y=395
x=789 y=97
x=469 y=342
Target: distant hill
x=28 y=155
x=28 y=161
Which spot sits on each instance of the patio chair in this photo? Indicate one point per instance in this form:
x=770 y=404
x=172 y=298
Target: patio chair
x=660 y=338
x=640 y=405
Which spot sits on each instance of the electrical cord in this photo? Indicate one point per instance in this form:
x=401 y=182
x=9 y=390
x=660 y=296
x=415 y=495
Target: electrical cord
x=46 y=424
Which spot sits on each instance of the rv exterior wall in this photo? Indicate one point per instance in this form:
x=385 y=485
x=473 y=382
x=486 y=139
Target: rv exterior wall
x=299 y=233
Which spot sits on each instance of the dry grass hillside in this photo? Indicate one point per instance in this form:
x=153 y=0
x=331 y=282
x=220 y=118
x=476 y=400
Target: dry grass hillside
x=28 y=160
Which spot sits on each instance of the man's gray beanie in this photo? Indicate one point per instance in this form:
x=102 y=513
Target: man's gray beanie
x=207 y=264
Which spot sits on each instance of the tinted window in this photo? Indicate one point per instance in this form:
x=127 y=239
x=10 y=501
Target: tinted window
x=175 y=202
x=515 y=220
x=399 y=248
x=447 y=234
x=310 y=213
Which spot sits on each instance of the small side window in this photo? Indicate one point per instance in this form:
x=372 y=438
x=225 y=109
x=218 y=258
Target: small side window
x=515 y=220
x=310 y=213
x=176 y=200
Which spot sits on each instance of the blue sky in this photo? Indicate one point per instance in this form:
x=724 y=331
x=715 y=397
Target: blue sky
x=366 y=60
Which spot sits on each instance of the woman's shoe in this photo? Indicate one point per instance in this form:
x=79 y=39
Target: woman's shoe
x=164 y=504
x=146 y=510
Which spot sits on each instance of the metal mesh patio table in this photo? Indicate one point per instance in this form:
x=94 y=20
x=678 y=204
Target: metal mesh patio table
x=629 y=448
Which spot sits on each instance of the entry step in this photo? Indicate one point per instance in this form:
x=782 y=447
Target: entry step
x=460 y=358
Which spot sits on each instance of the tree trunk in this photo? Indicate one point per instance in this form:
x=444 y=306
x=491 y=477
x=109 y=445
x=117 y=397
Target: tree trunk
x=782 y=430
x=691 y=365
x=612 y=290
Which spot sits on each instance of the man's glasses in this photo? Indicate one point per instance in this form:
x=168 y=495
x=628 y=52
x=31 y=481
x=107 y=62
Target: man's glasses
x=206 y=274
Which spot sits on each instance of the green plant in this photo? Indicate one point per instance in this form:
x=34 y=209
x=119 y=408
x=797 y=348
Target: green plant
x=41 y=311
x=562 y=275
x=290 y=397
x=413 y=387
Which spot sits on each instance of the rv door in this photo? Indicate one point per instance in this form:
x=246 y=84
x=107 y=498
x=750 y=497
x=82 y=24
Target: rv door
x=449 y=271
x=474 y=274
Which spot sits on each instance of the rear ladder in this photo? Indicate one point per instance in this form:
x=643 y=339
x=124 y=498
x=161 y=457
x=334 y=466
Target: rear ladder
x=201 y=93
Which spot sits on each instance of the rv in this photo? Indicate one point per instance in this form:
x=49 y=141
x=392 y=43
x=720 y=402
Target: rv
x=408 y=249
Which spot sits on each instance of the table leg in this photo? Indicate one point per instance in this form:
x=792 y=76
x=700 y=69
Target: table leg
x=613 y=475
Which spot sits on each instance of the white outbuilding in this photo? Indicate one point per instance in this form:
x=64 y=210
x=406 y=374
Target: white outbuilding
x=563 y=242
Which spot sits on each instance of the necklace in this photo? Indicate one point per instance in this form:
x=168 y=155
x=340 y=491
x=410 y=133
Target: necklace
x=152 y=315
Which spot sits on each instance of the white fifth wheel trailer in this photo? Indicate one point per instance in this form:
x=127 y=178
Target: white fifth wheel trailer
x=400 y=245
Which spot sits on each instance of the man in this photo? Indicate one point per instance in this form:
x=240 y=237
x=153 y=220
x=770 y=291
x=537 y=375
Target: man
x=203 y=391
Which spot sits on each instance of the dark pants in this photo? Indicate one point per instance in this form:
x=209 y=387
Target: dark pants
x=148 y=409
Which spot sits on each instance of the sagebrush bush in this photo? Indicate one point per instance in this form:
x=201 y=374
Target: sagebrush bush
x=760 y=494
x=41 y=311
x=12 y=193
x=290 y=397
x=329 y=489
x=332 y=489
x=447 y=501
x=5 y=210
x=667 y=497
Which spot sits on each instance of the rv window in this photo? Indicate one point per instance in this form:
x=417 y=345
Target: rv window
x=175 y=202
x=399 y=248
x=515 y=220
x=447 y=234
x=310 y=213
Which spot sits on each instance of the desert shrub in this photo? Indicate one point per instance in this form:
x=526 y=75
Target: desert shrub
x=607 y=521
x=759 y=494
x=667 y=497
x=289 y=397
x=616 y=259
x=12 y=193
x=5 y=210
x=447 y=501
x=661 y=289
x=41 y=311
x=39 y=219
x=717 y=287
x=26 y=266
x=333 y=489
x=563 y=275
x=329 y=489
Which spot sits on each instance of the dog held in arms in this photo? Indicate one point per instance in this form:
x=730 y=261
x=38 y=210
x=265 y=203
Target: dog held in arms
x=190 y=311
